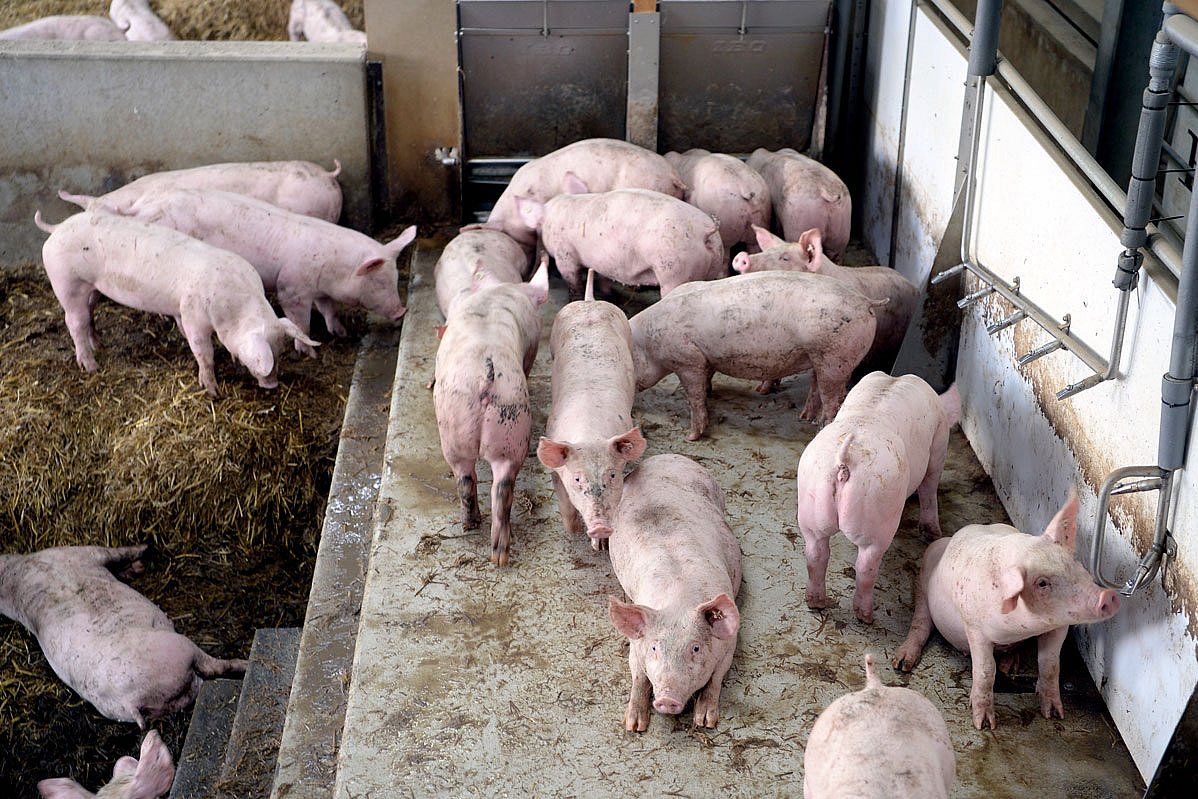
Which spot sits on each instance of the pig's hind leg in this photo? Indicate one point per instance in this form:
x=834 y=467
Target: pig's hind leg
x=503 y=489
x=929 y=511
x=77 y=301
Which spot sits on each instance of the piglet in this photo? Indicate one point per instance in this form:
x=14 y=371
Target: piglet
x=762 y=326
x=307 y=261
x=879 y=743
x=679 y=563
x=481 y=396
x=476 y=250
x=70 y=27
x=110 y=644
x=728 y=189
x=889 y=440
x=321 y=21
x=805 y=194
x=140 y=22
x=299 y=186
x=153 y=268
x=991 y=586
x=147 y=777
x=590 y=438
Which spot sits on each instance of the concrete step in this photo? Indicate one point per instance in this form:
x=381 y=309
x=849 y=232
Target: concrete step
x=199 y=764
x=316 y=709
x=252 y=751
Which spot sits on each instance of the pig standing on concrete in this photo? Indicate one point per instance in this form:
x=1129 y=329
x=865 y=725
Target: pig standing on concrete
x=481 y=396
x=110 y=644
x=590 y=438
x=875 y=282
x=153 y=268
x=132 y=778
x=763 y=326
x=71 y=27
x=476 y=250
x=140 y=22
x=728 y=189
x=602 y=164
x=307 y=261
x=679 y=564
x=299 y=186
x=636 y=236
x=879 y=743
x=321 y=21
x=889 y=440
x=991 y=586
x=806 y=194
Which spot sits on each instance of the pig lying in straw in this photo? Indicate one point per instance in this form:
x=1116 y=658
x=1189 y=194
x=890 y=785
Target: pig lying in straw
x=757 y=327
x=679 y=564
x=300 y=186
x=589 y=438
x=481 y=397
x=879 y=743
x=68 y=27
x=476 y=250
x=147 y=777
x=321 y=21
x=110 y=644
x=307 y=261
x=805 y=194
x=991 y=586
x=728 y=189
x=205 y=289
x=139 y=21
x=889 y=440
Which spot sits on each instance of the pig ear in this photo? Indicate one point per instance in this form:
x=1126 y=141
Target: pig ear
x=126 y=765
x=292 y=330
x=369 y=266
x=538 y=284
x=631 y=620
x=722 y=615
x=630 y=445
x=741 y=262
x=1062 y=530
x=1010 y=586
x=552 y=453
x=572 y=184
x=62 y=788
x=765 y=239
x=441 y=331
x=812 y=243
x=396 y=245
x=155 y=770
x=532 y=212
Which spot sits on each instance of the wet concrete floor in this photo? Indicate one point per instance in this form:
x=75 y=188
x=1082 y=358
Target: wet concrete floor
x=475 y=681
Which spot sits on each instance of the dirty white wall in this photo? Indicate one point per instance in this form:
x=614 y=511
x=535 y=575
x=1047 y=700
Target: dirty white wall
x=1036 y=220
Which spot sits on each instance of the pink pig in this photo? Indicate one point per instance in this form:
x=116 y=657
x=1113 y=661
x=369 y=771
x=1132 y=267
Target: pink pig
x=806 y=194
x=763 y=326
x=321 y=21
x=307 y=261
x=590 y=438
x=152 y=268
x=300 y=186
x=991 y=586
x=888 y=441
x=602 y=164
x=875 y=282
x=480 y=395
x=476 y=250
x=139 y=21
x=636 y=236
x=879 y=742
x=679 y=564
x=728 y=189
x=109 y=643
x=71 y=27
x=149 y=777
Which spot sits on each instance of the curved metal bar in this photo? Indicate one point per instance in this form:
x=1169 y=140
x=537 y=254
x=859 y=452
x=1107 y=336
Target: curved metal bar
x=1151 y=478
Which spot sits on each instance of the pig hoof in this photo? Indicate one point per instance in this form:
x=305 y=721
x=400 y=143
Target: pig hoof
x=905 y=660
x=930 y=533
x=816 y=602
x=983 y=714
x=694 y=435
x=636 y=720
x=1050 y=707
x=866 y=616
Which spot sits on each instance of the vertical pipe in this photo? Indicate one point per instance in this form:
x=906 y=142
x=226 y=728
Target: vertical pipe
x=983 y=45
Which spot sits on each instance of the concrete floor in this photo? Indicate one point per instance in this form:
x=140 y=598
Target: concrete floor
x=476 y=681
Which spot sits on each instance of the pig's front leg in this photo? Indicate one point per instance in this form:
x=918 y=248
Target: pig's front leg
x=707 y=703
x=1048 y=682
x=812 y=407
x=328 y=310
x=298 y=308
x=636 y=717
x=981 y=693
x=571 y=519
x=199 y=338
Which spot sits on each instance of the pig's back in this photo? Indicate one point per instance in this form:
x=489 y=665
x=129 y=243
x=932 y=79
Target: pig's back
x=906 y=405
x=594 y=380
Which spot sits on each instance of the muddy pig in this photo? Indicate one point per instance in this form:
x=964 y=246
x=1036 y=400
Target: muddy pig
x=321 y=21
x=110 y=644
x=471 y=251
x=991 y=586
x=153 y=268
x=728 y=189
x=147 y=777
x=888 y=441
x=805 y=194
x=481 y=396
x=636 y=236
x=300 y=186
x=602 y=164
x=879 y=743
x=68 y=27
x=679 y=564
x=875 y=282
x=589 y=438
x=763 y=326
x=140 y=22
x=307 y=261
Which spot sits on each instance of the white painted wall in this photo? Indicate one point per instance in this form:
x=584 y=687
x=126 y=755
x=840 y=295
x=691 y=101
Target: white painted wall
x=1035 y=220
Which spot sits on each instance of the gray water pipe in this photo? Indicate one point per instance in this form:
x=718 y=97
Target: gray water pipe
x=983 y=44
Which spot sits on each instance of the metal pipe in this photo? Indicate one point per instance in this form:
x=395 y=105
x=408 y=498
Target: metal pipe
x=970 y=299
x=1003 y=324
x=983 y=44
x=1155 y=476
x=1040 y=352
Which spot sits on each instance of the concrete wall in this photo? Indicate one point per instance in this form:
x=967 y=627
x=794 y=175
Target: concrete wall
x=90 y=116
x=1036 y=220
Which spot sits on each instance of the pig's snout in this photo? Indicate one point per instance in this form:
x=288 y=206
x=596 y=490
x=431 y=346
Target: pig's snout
x=1107 y=604
x=397 y=315
x=667 y=705
x=269 y=381
x=599 y=531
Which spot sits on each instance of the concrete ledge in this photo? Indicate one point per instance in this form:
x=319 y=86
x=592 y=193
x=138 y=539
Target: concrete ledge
x=91 y=116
